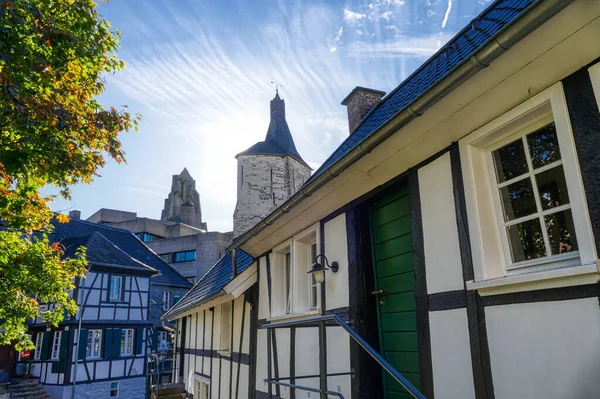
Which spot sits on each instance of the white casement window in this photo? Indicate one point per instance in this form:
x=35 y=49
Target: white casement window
x=126 y=341
x=313 y=286
x=526 y=205
x=287 y=282
x=114 y=389
x=116 y=283
x=166 y=300
x=56 y=345
x=226 y=327
x=295 y=292
x=163 y=340
x=94 y=340
x=39 y=338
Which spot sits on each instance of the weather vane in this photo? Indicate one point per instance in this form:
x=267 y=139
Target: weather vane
x=277 y=86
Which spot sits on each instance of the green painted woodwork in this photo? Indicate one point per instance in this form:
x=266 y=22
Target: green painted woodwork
x=83 y=337
x=397 y=264
x=394 y=273
x=401 y=321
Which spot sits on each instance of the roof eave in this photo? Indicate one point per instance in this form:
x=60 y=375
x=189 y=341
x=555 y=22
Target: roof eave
x=505 y=39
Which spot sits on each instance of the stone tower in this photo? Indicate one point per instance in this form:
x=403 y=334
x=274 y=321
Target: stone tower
x=269 y=172
x=183 y=203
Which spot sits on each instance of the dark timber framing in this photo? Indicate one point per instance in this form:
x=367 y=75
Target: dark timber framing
x=480 y=352
x=585 y=123
x=367 y=378
x=423 y=333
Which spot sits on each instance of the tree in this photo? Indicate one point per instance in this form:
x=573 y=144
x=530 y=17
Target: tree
x=54 y=56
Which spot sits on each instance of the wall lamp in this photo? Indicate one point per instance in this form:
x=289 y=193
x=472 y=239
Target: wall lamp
x=318 y=269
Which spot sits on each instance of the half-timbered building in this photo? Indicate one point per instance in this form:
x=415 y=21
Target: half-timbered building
x=455 y=234
x=104 y=348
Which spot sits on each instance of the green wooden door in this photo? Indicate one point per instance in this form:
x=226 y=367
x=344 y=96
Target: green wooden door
x=394 y=274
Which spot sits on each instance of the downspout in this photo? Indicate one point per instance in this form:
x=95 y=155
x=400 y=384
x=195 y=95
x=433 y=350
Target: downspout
x=539 y=13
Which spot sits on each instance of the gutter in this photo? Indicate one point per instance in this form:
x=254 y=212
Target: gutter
x=505 y=39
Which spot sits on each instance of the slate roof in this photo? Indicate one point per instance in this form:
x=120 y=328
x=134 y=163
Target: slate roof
x=99 y=250
x=458 y=49
x=279 y=140
x=127 y=242
x=213 y=282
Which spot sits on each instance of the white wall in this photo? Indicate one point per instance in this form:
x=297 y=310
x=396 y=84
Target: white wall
x=443 y=265
x=451 y=354
x=336 y=249
x=547 y=350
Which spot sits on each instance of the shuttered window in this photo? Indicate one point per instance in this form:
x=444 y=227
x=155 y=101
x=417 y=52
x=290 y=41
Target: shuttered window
x=56 y=345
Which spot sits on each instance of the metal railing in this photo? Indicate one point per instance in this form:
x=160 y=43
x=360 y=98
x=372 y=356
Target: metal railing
x=320 y=322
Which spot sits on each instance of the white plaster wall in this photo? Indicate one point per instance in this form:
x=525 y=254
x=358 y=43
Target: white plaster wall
x=261 y=360
x=338 y=360
x=307 y=356
x=263 y=291
x=336 y=249
x=451 y=354
x=443 y=265
x=595 y=77
x=547 y=350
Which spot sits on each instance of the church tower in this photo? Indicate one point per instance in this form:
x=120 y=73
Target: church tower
x=183 y=203
x=269 y=172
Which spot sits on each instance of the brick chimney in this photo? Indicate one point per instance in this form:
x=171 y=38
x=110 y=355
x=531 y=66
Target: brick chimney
x=359 y=102
x=76 y=215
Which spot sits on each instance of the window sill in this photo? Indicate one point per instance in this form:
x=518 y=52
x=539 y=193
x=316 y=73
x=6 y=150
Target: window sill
x=565 y=277
x=291 y=316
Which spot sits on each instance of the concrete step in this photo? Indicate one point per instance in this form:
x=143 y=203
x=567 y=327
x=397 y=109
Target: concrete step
x=27 y=389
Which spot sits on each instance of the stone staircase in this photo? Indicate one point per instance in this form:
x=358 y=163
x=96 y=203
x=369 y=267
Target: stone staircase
x=27 y=389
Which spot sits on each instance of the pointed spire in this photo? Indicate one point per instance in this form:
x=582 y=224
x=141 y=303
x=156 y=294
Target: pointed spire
x=279 y=140
x=185 y=173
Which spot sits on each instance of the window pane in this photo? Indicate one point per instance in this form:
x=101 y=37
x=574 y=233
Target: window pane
x=552 y=187
x=526 y=241
x=510 y=161
x=518 y=200
x=543 y=146
x=561 y=232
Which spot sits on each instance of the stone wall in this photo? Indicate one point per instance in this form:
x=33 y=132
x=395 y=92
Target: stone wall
x=130 y=388
x=264 y=183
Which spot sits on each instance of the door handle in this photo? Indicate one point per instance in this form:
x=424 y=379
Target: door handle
x=378 y=292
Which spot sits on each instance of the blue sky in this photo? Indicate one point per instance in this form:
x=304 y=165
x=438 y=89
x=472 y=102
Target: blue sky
x=199 y=72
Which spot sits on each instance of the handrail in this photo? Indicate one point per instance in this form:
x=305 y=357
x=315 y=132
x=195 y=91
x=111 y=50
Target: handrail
x=359 y=340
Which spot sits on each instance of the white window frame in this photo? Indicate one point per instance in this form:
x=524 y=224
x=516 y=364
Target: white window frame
x=166 y=300
x=490 y=262
x=39 y=339
x=163 y=340
x=126 y=347
x=90 y=344
x=202 y=384
x=111 y=298
x=314 y=302
x=225 y=327
x=56 y=345
x=110 y=392
x=299 y=297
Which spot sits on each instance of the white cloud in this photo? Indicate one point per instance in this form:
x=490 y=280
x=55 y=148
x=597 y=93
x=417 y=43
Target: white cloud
x=353 y=17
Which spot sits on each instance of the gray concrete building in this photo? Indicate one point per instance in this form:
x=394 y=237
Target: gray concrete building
x=180 y=237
